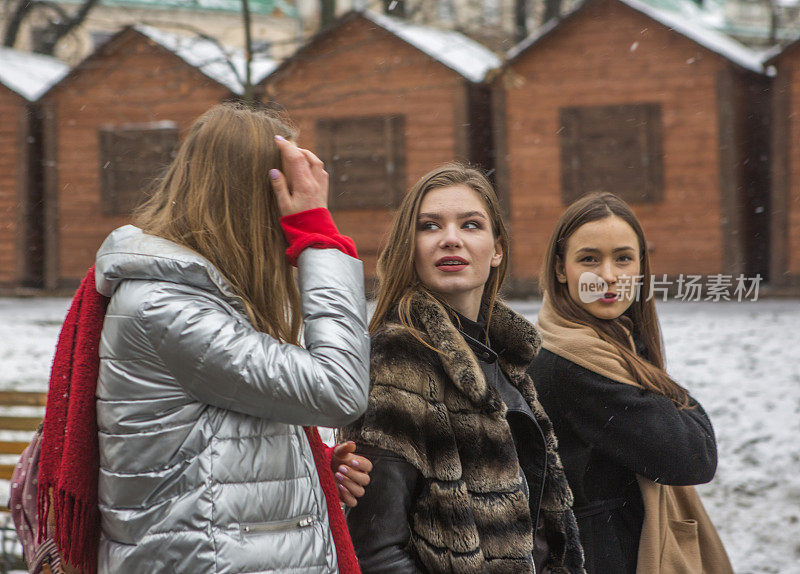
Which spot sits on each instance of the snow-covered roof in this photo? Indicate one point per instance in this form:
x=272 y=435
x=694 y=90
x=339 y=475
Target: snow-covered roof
x=770 y=56
x=29 y=75
x=689 y=27
x=224 y=65
x=264 y=7
x=774 y=52
x=456 y=51
x=532 y=39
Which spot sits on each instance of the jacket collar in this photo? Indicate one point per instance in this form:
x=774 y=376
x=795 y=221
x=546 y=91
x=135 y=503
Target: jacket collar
x=129 y=253
x=481 y=350
x=515 y=339
x=474 y=333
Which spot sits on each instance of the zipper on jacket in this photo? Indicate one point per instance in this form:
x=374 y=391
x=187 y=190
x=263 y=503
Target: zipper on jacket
x=278 y=525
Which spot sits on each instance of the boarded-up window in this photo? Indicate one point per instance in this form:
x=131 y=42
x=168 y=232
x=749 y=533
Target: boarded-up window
x=131 y=157
x=612 y=148
x=365 y=158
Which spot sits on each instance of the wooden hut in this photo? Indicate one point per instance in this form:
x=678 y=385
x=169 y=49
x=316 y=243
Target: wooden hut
x=674 y=118
x=111 y=126
x=785 y=208
x=382 y=101
x=23 y=79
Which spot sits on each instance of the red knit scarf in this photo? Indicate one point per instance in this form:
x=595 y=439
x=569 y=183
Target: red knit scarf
x=68 y=467
x=69 y=464
x=345 y=553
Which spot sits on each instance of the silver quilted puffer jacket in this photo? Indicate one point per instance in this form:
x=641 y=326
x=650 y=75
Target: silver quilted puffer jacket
x=204 y=464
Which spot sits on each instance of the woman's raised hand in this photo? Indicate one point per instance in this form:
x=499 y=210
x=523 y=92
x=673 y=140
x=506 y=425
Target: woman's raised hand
x=304 y=185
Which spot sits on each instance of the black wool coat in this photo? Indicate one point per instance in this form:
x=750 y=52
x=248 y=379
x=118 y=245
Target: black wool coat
x=608 y=433
x=436 y=411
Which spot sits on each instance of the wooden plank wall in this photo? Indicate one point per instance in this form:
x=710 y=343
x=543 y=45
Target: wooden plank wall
x=609 y=54
x=134 y=81
x=360 y=69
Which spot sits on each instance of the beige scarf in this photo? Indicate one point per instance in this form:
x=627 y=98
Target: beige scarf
x=677 y=534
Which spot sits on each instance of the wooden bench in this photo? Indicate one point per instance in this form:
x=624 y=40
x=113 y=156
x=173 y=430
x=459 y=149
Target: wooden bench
x=12 y=422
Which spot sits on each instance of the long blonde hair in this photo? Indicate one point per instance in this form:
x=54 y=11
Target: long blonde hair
x=216 y=199
x=398 y=281
x=648 y=372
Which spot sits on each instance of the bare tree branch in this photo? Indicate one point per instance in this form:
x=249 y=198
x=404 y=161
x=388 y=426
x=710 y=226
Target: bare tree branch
x=202 y=35
x=249 y=97
x=552 y=9
x=57 y=27
x=56 y=30
x=327 y=12
x=521 y=19
x=395 y=8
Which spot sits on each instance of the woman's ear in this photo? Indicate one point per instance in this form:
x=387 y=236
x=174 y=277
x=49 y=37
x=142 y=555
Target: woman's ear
x=498 y=253
x=561 y=274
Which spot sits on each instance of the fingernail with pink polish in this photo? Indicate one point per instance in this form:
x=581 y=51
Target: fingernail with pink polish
x=274 y=174
x=280 y=138
x=343 y=469
x=355 y=463
x=340 y=476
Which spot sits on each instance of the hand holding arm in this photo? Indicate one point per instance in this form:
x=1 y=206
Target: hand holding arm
x=351 y=472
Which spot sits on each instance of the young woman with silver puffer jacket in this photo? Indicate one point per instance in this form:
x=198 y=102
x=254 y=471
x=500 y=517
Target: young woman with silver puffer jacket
x=201 y=399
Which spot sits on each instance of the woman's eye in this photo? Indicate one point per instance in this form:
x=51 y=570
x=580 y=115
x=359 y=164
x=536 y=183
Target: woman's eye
x=471 y=225
x=625 y=259
x=587 y=259
x=425 y=225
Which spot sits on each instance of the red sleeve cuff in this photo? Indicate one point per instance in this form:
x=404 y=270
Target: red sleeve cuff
x=314 y=228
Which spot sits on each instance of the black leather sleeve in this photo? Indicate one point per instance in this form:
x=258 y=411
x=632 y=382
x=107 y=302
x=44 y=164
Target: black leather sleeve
x=379 y=523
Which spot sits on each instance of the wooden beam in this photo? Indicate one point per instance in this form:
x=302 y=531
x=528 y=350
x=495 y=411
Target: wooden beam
x=12 y=446
x=781 y=172
x=22 y=398
x=19 y=423
x=50 y=156
x=729 y=137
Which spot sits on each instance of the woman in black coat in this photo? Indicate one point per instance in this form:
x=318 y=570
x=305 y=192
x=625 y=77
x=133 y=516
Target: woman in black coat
x=624 y=427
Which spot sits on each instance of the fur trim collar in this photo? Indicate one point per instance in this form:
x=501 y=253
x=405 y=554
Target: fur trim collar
x=514 y=339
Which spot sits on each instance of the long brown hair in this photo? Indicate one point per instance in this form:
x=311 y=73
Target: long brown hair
x=648 y=372
x=216 y=199
x=398 y=281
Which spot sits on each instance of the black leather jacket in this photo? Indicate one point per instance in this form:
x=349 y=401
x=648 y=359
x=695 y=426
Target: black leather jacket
x=379 y=524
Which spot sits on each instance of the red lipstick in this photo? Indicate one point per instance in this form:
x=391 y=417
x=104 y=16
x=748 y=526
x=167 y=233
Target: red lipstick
x=609 y=297
x=451 y=263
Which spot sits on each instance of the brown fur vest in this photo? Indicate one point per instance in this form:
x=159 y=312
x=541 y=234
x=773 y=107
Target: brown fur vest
x=437 y=412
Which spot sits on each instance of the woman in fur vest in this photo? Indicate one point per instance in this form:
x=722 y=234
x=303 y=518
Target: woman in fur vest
x=632 y=440
x=465 y=475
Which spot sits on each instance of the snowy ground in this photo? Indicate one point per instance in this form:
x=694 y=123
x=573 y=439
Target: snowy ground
x=740 y=360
